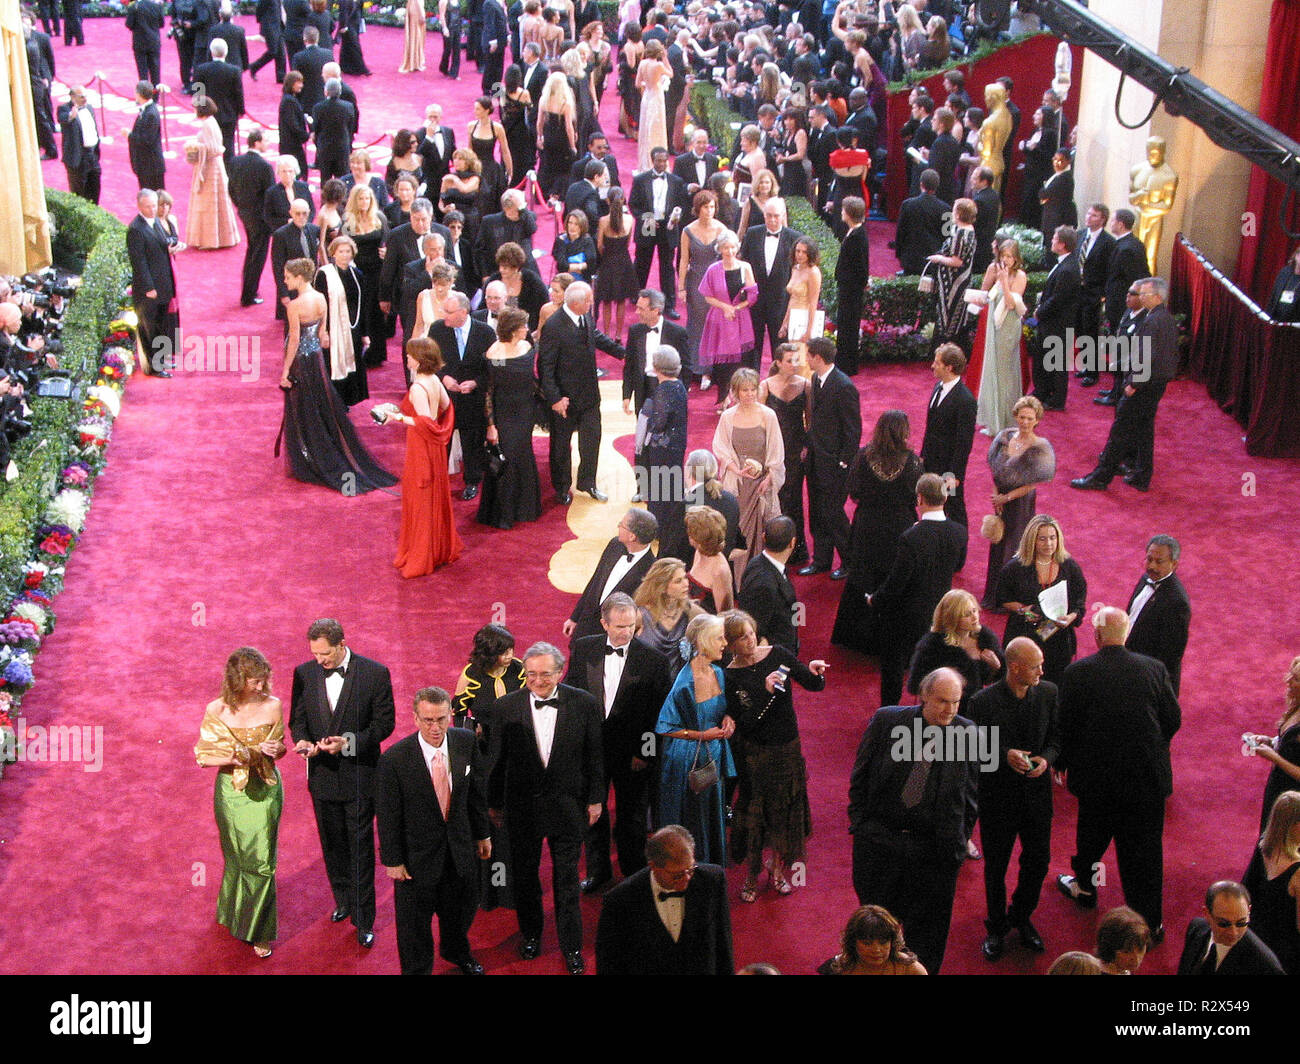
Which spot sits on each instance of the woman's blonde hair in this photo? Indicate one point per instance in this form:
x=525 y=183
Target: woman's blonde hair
x=1025 y=555
x=700 y=627
x=352 y=213
x=469 y=158
x=244 y=664
x=1283 y=819
x=948 y=614
x=707 y=529
x=653 y=592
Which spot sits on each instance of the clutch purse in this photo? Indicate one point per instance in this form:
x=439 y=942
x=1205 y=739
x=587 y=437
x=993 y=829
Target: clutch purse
x=992 y=528
x=701 y=777
x=495 y=459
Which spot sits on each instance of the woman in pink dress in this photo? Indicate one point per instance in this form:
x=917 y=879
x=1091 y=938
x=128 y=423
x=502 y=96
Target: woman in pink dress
x=211 y=222
x=729 y=289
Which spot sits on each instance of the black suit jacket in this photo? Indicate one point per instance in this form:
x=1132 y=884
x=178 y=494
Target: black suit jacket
x=151 y=262
x=1058 y=302
x=473 y=366
x=634 y=376
x=920 y=576
x=853 y=267
x=1250 y=956
x=1118 y=714
x=401 y=248
x=1160 y=630
x=632 y=940
x=579 y=168
x=333 y=122
x=566 y=365
x=772 y=296
x=684 y=166
x=988 y=213
x=1033 y=726
x=295 y=21
x=552 y=797
x=286 y=244
x=1096 y=267
x=251 y=177
x=276 y=202
x=1057 y=198
x=582 y=196
x=586 y=612
x=236 y=43
x=435 y=165
x=144 y=142
x=412 y=830
x=1128 y=263
x=534 y=83
x=641 y=692
x=950 y=433
x=1159 y=326
x=144 y=19
x=224 y=84
x=641 y=202
x=364 y=714
x=945 y=154
x=835 y=425
x=76 y=156
x=920 y=231
x=768 y=596
x=865 y=122
x=308 y=63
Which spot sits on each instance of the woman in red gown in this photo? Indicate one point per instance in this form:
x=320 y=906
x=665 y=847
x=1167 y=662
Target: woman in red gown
x=428 y=536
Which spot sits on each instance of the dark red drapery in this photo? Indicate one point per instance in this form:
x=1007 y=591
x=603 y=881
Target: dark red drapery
x=1249 y=364
x=1263 y=254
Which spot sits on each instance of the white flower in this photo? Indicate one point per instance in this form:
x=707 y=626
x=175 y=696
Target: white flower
x=69 y=508
x=110 y=397
x=30 y=611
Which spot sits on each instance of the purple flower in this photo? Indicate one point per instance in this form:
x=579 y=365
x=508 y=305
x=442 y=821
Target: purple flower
x=18 y=673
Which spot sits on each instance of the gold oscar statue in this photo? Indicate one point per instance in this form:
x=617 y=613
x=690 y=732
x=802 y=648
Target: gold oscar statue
x=1152 y=186
x=995 y=131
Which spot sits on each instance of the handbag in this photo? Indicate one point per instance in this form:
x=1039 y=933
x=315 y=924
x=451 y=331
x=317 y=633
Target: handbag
x=925 y=283
x=496 y=461
x=701 y=777
x=993 y=528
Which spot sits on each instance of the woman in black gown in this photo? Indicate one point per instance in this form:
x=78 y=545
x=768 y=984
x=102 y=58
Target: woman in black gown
x=363 y=222
x=785 y=391
x=293 y=121
x=882 y=482
x=1273 y=879
x=557 y=136
x=1282 y=748
x=1040 y=562
x=321 y=442
x=486 y=135
x=351 y=61
x=515 y=493
x=492 y=673
x=515 y=106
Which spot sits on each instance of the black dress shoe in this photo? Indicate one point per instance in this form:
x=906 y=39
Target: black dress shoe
x=255 y=301
x=993 y=946
x=593 y=883
x=596 y=494
x=1125 y=470
x=366 y=938
x=840 y=574
x=470 y=493
x=1087 y=380
x=813 y=570
x=1091 y=482
x=529 y=948
x=1106 y=399
x=1138 y=482
x=1030 y=937
x=1069 y=886
x=340 y=914
x=573 y=962
x=564 y=497
x=469 y=967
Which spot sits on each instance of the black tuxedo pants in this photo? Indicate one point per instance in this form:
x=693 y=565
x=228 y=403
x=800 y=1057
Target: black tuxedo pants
x=347 y=840
x=494 y=64
x=586 y=423
x=631 y=804
x=229 y=131
x=85 y=182
x=185 y=55
x=565 y=840
x=1051 y=383
x=148 y=65
x=1003 y=819
x=897 y=643
x=1090 y=324
x=666 y=241
x=954 y=508
x=1137 y=829
x=258 y=240
x=49 y=10
x=450 y=64
x=1132 y=437
x=790 y=498
x=151 y=318
x=848 y=328
x=906 y=874
x=767 y=315
x=471 y=423
x=453 y=899
x=829 y=524
x=275 y=52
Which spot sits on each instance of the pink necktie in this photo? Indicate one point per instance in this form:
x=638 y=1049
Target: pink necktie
x=442 y=784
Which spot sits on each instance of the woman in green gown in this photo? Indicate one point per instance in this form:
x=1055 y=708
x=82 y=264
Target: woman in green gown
x=242 y=736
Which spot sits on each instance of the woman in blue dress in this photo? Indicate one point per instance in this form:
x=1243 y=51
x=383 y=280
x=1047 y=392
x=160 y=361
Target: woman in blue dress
x=695 y=728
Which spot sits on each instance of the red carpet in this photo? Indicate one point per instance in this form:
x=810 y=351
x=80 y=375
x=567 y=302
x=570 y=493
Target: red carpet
x=198 y=543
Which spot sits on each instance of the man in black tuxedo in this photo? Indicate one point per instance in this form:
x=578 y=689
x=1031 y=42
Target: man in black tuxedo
x=297 y=239
x=988 y=214
x=464 y=344
x=72 y=33
x=144 y=142
x=547 y=783
x=671 y=918
x=205 y=17
x=49 y=13
x=80 y=145
x=821 y=142
x=340 y=712
x=309 y=62
x=348 y=95
x=769 y=250
x=622 y=566
x=514 y=223
x=333 y=122
x=658 y=201
x=766 y=592
x=416 y=277
x=183 y=14
x=251 y=177
x=697 y=164
x=1020 y=715
x=920 y=226
x=834 y=432
x=1056 y=312
x=1095 y=247
x=431 y=810
x=920 y=576
x=492 y=43
x=223 y=84
x=644 y=338
x=1152 y=362
x=852 y=274
x=403 y=247
x=1128 y=263
x=144 y=18
x=599 y=150
x=862 y=117
x=945 y=155
x=1118 y=714
x=629 y=681
x=910 y=817
x=566 y=365
x=234 y=36
x=534 y=72
x=1056 y=197
x=40 y=71
x=584 y=195
x=1013 y=109
x=1221 y=942
x=681 y=68
x=1159 y=611
x=296 y=13
x=950 y=432
x=153 y=282
x=270 y=24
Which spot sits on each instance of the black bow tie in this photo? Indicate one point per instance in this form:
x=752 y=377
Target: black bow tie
x=1152 y=583
x=664 y=895
x=614 y=650
x=661 y=177
x=340 y=670
x=773 y=236
x=538 y=703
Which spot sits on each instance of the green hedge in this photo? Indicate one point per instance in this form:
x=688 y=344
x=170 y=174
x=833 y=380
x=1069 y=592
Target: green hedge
x=92 y=242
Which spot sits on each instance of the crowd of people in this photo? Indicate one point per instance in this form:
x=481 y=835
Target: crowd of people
x=674 y=691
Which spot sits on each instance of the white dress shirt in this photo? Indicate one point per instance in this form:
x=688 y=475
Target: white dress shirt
x=334 y=681
x=934 y=515
x=614 y=665
x=431 y=752
x=659 y=188
x=89 y=134
x=701 y=170
x=653 y=338
x=544 y=727
x=944 y=388
x=619 y=571
x=672 y=911
x=1143 y=597
x=771 y=242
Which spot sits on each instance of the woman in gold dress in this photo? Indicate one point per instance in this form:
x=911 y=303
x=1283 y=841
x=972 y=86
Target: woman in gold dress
x=413 y=48
x=242 y=736
x=805 y=291
x=211 y=222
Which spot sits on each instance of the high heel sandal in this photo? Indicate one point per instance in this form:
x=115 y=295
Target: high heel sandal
x=749 y=892
x=262 y=950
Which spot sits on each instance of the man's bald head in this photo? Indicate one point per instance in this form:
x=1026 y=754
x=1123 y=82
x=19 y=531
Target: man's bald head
x=1110 y=623
x=1023 y=651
